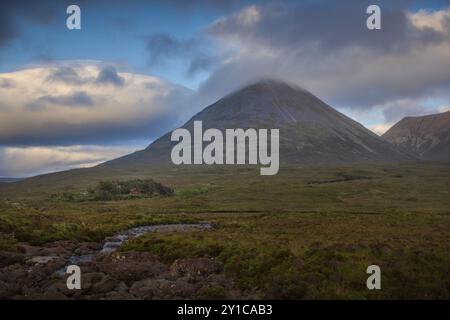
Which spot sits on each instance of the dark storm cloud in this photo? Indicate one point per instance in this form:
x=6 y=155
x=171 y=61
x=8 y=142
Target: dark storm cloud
x=108 y=75
x=77 y=99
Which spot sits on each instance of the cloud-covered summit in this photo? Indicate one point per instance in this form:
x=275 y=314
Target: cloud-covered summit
x=325 y=47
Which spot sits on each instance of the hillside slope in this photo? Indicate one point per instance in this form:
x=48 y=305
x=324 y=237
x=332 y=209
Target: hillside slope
x=427 y=137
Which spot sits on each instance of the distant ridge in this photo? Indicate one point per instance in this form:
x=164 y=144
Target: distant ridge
x=427 y=137
x=7 y=180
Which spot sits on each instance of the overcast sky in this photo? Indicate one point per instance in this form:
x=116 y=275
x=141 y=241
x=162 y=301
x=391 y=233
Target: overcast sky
x=137 y=69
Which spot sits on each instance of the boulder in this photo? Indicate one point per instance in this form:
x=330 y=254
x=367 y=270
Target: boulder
x=88 y=280
x=105 y=285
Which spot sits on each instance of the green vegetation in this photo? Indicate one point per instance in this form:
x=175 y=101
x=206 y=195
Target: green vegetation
x=189 y=192
x=308 y=232
x=118 y=190
x=311 y=255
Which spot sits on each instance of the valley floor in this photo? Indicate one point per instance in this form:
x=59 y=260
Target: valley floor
x=308 y=232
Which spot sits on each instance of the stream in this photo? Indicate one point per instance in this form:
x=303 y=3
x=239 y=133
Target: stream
x=111 y=244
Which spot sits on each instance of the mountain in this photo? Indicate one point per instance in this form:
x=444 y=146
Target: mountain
x=311 y=132
x=427 y=137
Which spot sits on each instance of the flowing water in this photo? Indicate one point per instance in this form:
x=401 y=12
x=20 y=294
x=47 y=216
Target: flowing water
x=111 y=244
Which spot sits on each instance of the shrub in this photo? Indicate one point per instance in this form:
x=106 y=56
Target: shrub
x=118 y=190
x=109 y=190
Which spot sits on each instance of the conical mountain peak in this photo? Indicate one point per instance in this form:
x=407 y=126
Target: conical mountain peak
x=310 y=130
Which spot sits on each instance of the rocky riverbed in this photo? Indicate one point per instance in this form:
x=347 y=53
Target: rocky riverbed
x=39 y=272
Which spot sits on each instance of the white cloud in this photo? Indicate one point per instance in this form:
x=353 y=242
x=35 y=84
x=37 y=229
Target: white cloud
x=437 y=20
x=380 y=129
x=76 y=102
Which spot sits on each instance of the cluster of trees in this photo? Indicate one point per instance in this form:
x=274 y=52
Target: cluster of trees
x=114 y=190
x=118 y=190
